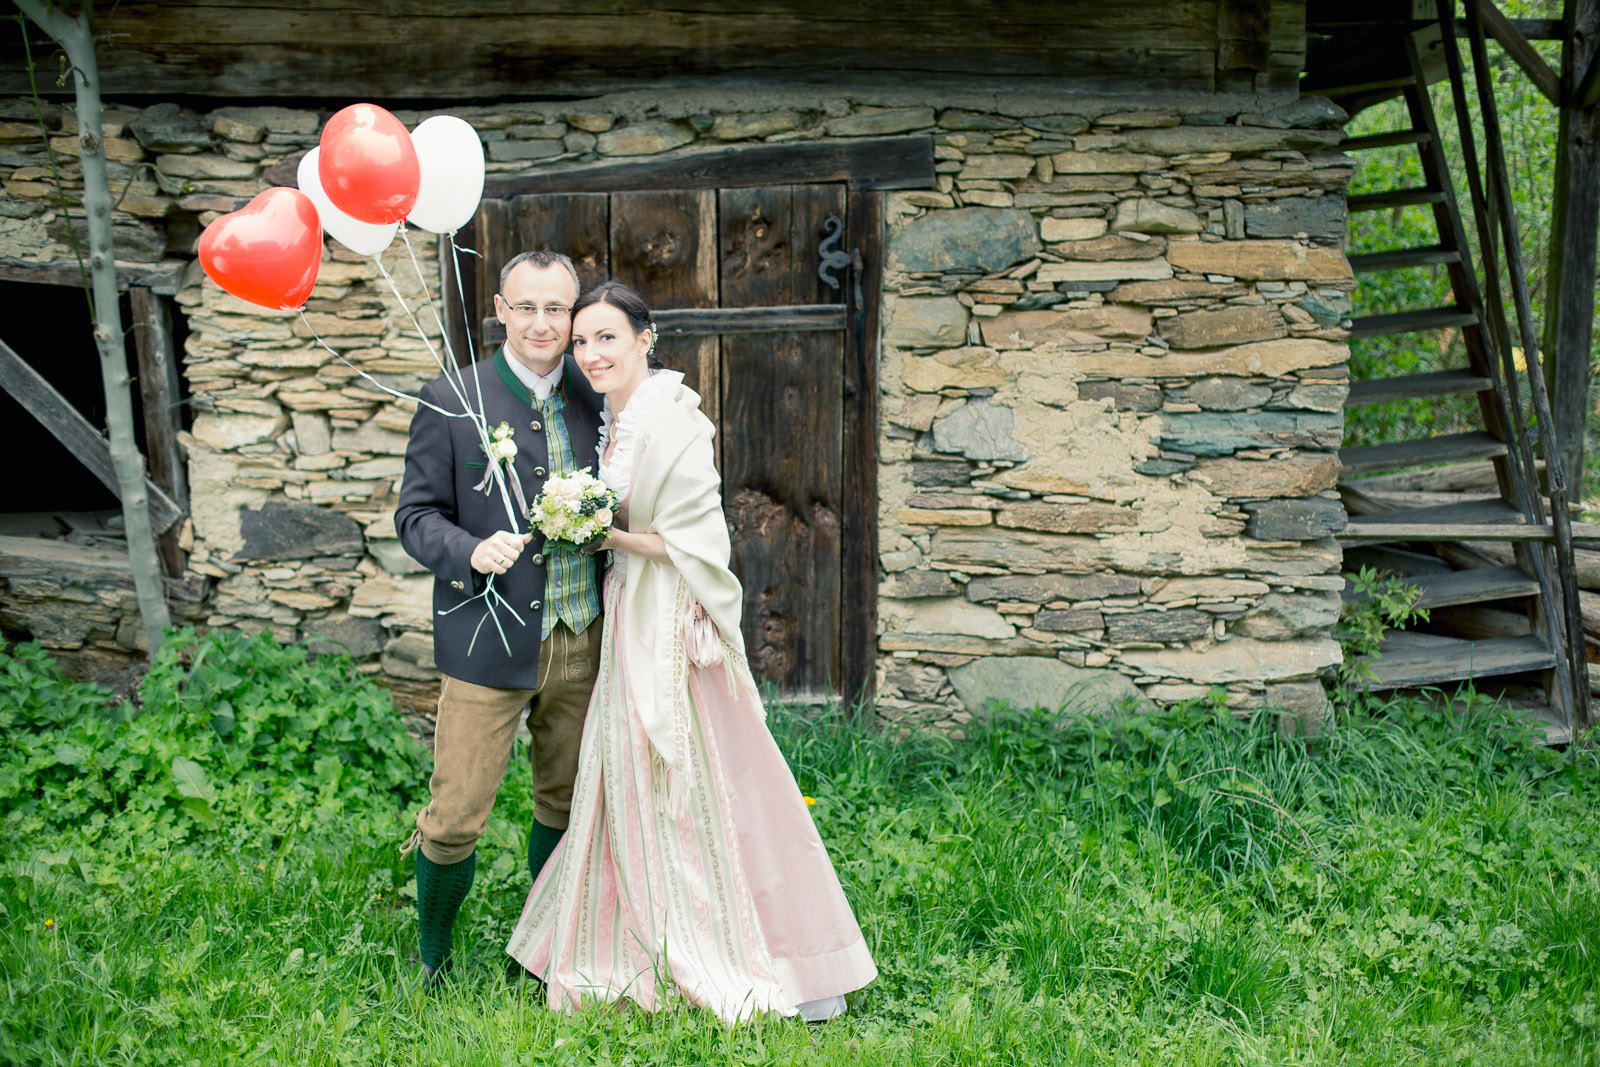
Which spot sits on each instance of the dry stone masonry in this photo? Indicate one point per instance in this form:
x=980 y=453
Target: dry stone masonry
x=1112 y=381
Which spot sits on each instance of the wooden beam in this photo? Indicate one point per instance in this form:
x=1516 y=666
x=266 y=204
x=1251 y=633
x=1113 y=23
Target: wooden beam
x=1521 y=51
x=1575 y=231
x=551 y=50
x=162 y=278
x=29 y=388
x=688 y=322
x=1587 y=94
x=161 y=398
x=869 y=163
x=858 y=563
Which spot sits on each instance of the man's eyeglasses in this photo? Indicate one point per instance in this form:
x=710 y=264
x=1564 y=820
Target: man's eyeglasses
x=527 y=311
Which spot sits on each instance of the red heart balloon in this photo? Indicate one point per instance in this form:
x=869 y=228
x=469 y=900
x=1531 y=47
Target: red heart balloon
x=268 y=251
x=368 y=165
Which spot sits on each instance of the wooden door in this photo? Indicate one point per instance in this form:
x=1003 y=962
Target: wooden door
x=733 y=277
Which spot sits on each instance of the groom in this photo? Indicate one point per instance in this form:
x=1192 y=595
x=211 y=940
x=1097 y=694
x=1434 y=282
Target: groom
x=453 y=520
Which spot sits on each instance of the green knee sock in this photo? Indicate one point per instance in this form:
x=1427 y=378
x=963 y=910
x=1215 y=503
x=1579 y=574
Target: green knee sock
x=542 y=841
x=441 y=887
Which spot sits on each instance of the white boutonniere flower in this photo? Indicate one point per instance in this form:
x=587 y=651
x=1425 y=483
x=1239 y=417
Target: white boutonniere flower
x=501 y=442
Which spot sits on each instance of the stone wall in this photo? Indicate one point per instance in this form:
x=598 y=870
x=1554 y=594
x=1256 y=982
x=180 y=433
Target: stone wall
x=1112 y=380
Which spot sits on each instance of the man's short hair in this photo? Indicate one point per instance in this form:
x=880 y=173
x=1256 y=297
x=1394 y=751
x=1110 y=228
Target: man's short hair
x=540 y=258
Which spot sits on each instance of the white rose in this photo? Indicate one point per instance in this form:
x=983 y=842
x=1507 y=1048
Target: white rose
x=603 y=516
x=505 y=448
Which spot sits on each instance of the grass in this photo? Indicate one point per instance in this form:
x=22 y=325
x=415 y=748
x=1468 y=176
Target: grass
x=1178 y=888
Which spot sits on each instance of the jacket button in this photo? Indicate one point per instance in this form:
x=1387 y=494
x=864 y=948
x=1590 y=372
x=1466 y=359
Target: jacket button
x=538 y=558
x=535 y=425
x=538 y=472
x=534 y=605
x=457 y=585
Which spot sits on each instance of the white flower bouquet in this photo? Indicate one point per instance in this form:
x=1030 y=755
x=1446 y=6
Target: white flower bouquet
x=573 y=510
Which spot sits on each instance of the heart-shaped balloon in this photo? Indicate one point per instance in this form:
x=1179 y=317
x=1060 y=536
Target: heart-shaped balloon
x=369 y=166
x=362 y=238
x=268 y=251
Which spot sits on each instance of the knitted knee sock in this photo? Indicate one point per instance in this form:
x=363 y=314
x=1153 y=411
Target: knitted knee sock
x=441 y=887
x=542 y=841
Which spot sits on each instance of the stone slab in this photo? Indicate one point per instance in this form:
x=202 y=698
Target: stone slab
x=1218 y=433
x=283 y=529
x=1295 y=520
x=1045 y=588
x=1260 y=260
x=1224 y=326
x=973 y=238
x=1041 y=683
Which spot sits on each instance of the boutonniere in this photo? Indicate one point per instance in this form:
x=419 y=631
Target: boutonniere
x=502 y=449
x=502 y=444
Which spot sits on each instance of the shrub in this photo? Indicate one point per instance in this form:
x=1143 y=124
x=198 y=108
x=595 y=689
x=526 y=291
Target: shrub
x=231 y=727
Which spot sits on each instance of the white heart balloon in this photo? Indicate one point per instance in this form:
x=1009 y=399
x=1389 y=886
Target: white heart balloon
x=452 y=174
x=362 y=238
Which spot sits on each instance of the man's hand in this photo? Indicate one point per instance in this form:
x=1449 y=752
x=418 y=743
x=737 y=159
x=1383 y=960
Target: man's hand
x=496 y=553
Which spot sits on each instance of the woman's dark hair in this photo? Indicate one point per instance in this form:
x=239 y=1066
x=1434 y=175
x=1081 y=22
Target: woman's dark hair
x=626 y=300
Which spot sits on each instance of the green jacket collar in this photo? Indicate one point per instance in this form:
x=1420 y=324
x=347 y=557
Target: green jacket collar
x=509 y=376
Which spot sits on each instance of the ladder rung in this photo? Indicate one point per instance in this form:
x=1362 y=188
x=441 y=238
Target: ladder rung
x=1411 y=321
x=1413 y=386
x=1386 y=140
x=1399 y=258
x=1395 y=198
x=1454 y=660
x=1397 y=455
x=1473 y=586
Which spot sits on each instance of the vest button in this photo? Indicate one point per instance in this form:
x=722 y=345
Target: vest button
x=535 y=425
x=538 y=472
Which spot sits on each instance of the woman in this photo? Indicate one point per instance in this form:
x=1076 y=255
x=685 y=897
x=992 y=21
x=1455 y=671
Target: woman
x=690 y=863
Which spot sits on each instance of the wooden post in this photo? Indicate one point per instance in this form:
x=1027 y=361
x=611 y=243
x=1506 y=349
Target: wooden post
x=161 y=394
x=77 y=40
x=858 y=632
x=1574 y=222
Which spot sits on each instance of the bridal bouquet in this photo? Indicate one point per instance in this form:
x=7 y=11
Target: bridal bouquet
x=573 y=510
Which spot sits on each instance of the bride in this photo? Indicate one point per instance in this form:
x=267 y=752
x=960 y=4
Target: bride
x=690 y=865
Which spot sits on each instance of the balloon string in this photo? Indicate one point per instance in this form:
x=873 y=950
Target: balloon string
x=490 y=595
x=478 y=417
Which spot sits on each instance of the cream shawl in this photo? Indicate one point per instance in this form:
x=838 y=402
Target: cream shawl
x=676 y=492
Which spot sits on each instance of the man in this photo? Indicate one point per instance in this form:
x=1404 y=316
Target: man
x=453 y=521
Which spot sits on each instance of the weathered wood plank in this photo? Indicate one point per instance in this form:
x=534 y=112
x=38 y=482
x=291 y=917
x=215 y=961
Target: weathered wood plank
x=664 y=244
x=1451 y=660
x=683 y=322
x=792 y=318
x=358 y=50
x=873 y=163
x=494 y=240
x=1473 y=586
x=1445 y=448
x=161 y=278
x=1570 y=284
x=161 y=397
x=783 y=501
x=1460 y=382
x=29 y=388
x=576 y=224
x=858 y=634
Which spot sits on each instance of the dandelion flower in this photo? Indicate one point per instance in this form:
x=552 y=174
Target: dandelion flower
x=811 y=802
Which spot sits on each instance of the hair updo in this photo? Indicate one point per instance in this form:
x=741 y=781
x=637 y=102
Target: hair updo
x=628 y=301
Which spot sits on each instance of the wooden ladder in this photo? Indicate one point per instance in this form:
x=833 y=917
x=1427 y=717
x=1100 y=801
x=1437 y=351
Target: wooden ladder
x=1496 y=618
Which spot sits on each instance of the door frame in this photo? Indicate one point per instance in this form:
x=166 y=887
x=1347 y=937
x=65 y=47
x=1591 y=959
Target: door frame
x=867 y=167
